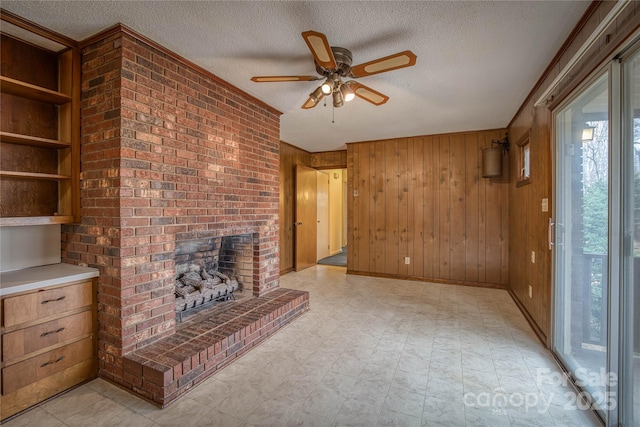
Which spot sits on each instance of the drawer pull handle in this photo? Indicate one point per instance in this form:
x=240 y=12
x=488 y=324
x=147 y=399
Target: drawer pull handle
x=59 y=359
x=53 y=300
x=44 y=334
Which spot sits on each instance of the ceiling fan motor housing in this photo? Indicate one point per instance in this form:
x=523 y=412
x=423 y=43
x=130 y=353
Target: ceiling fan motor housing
x=344 y=60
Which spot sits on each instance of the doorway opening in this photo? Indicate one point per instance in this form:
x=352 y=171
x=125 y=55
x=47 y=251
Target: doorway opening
x=332 y=217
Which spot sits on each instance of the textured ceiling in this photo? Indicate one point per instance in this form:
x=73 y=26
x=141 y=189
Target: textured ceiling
x=477 y=60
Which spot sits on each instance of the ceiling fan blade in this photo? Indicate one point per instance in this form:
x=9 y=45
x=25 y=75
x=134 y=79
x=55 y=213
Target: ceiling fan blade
x=271 y=79
x=388 y=63
x=368 y=94
x=320 y=48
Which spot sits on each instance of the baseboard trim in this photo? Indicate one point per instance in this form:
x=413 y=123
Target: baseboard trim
x=539 y=333
x=430 y=279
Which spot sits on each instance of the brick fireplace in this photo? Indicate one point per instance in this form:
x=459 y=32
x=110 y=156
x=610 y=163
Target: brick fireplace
x=171 y=153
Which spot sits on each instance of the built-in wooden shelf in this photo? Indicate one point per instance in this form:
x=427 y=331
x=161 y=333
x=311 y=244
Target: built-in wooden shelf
x=36 y=220
x=32 y=175
x=27 y=90
x=15 y=138
x=40 y=129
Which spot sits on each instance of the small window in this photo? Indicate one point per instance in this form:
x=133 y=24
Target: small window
x=524 y=161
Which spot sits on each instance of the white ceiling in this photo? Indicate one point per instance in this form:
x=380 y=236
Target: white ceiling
x=477 y=60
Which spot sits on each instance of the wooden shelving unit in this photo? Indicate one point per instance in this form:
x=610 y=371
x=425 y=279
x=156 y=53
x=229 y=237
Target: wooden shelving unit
x=14 y=138
x=39 y=125
x=25 y=90
x=32 y=175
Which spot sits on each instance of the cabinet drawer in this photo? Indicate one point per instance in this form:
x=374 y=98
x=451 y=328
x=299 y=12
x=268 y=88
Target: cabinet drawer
x=24 y=341
x=29 y=307
x=37 y=368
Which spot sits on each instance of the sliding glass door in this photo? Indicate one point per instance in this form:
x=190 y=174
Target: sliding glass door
x=596 y=308
x=582 y=237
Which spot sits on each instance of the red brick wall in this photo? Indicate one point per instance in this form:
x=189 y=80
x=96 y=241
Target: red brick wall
x=168 y=153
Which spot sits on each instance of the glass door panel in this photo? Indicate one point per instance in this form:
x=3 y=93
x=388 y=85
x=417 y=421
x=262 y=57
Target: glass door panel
x=582 y=242
x=630 y=301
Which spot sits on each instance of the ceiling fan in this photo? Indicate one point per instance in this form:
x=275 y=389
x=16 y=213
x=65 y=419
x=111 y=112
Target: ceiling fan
x=333 y=64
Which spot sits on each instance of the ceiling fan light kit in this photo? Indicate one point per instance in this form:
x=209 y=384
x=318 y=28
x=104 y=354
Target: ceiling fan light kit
x=328 y=85
x=347 y=93
x=334 y=63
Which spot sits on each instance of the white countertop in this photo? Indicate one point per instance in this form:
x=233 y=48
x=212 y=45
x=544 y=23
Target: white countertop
x=28 y=279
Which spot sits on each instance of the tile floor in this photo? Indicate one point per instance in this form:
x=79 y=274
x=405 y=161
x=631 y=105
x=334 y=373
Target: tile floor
x=370 y=352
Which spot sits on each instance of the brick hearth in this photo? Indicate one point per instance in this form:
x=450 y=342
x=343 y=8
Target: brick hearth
x=163 y=371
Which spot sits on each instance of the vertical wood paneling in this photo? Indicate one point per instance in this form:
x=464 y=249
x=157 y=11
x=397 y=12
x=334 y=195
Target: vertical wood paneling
x=403 y=205
x=484 y=142
x=431 y=259
x=472 y=206
x=380 y=210
x=353 y=245
x=351 y=211
x=364 y=207
x=372 y=205
x=329 y=159
x=493 y=225
x=444 y=202
x=424 y=199
x=392 y=248
x=417 y=210
x=457 y=181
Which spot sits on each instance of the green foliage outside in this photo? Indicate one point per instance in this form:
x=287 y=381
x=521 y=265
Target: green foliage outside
x=596 y=205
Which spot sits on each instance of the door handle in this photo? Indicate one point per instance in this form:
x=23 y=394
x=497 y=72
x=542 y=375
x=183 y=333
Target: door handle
x=297 y=223
x=550 y=233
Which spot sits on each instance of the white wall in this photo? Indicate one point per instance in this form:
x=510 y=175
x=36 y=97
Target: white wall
x=29 y=246
x=336 y=210
x=323 y=213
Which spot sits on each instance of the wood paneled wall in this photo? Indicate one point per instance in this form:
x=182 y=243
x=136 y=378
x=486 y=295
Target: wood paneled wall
x=424 y=198
x=329 y=159
x=528 y=225
x=290 y=156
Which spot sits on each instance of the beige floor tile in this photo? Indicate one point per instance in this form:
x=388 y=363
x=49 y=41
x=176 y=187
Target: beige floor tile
x=98 y=413
x=404 y=401
x=370 y=392
x=396 y=419
x=371 y=351
x=35 y=417
x=486 y=417
x=180 y=413
x=129 y=418
x=356 y=413
x=306 y=419
x=69 y=404
x=448 y=412
x=411 y=381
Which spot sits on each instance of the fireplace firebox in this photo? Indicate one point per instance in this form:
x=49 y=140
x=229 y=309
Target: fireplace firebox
x=211 y=271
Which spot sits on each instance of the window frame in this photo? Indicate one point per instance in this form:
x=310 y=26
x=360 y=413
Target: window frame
x=523 y=147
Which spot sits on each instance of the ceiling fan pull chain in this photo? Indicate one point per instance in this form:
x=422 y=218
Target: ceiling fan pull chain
x=333 y=114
